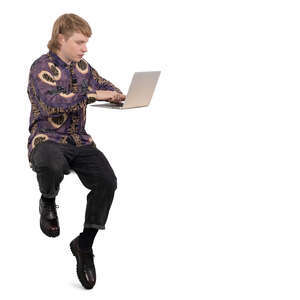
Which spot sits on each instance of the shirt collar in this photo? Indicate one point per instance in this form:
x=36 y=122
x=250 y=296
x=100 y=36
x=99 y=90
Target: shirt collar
x=58 y=60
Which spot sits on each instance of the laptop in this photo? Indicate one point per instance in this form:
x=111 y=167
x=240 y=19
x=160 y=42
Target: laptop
x=139 y=93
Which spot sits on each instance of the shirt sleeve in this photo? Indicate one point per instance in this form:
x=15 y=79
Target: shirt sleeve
x=51 y=96
x=99 y=83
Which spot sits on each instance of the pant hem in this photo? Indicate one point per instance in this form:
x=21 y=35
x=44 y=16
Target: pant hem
x=49 y=195
x=94 y=226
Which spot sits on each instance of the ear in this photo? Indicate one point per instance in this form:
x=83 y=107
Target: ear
x=60 y=38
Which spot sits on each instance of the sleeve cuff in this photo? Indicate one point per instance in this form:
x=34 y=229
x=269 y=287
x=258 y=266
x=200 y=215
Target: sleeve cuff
x=91 y=96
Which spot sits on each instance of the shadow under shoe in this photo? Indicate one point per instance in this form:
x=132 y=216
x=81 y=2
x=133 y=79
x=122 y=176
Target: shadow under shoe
x=49 y=220
x=86 y=271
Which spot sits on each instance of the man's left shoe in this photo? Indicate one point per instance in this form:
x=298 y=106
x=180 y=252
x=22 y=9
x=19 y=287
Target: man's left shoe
x=86 y=271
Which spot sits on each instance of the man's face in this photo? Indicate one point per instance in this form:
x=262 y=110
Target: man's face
x=74 y=48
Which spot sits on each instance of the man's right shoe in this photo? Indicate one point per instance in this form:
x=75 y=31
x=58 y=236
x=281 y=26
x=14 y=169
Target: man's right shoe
x=49 y=220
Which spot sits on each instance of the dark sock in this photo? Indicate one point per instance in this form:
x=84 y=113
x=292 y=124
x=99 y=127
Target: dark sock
x=86 y=238
x=48 y=200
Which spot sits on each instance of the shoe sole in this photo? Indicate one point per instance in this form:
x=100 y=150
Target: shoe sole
x=82 y=281
x=48 y=232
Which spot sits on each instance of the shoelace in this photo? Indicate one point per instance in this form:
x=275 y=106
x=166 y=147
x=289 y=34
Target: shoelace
x=50 y=206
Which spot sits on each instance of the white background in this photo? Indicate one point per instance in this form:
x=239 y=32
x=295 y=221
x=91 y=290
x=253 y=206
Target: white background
x=207 y=205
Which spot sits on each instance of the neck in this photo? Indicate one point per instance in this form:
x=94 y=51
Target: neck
x=63 y=58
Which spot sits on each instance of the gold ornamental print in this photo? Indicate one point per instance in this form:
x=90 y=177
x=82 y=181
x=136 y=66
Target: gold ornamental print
x=46 y=77
x=55 y=71
x=58 y=121
x=65 y=95
x=82 y=66
x=39 y=139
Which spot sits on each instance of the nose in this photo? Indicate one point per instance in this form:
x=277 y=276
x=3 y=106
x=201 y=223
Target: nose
x=84 y=49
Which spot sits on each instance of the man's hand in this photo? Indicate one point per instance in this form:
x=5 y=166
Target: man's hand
x=110 y=96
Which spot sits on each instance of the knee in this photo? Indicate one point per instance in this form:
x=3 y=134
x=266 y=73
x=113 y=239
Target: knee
x=110 y=182
x=113 y=182
x=52 y=169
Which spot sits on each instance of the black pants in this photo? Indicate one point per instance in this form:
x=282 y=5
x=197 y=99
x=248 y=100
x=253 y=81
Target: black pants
x=51 y=161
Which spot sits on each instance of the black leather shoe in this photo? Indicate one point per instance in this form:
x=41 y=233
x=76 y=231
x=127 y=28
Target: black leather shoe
x=86 y=271
x=49 y=220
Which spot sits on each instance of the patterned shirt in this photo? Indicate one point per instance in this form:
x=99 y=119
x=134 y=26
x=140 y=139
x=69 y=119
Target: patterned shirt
x=59 y=94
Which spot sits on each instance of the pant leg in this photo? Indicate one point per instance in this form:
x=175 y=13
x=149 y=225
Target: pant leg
x=50 y=164
x=96 y=174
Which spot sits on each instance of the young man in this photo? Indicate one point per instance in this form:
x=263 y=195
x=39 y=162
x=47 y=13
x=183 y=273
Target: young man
x=61 y=85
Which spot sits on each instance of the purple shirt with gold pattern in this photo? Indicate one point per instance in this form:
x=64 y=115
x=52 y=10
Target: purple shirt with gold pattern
x=59 y=94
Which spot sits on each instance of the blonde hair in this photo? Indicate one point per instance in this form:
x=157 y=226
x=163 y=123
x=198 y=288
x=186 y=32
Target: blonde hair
x=66 y=25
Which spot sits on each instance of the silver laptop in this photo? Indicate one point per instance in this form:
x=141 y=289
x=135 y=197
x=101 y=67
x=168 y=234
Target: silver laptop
x=139 y=93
